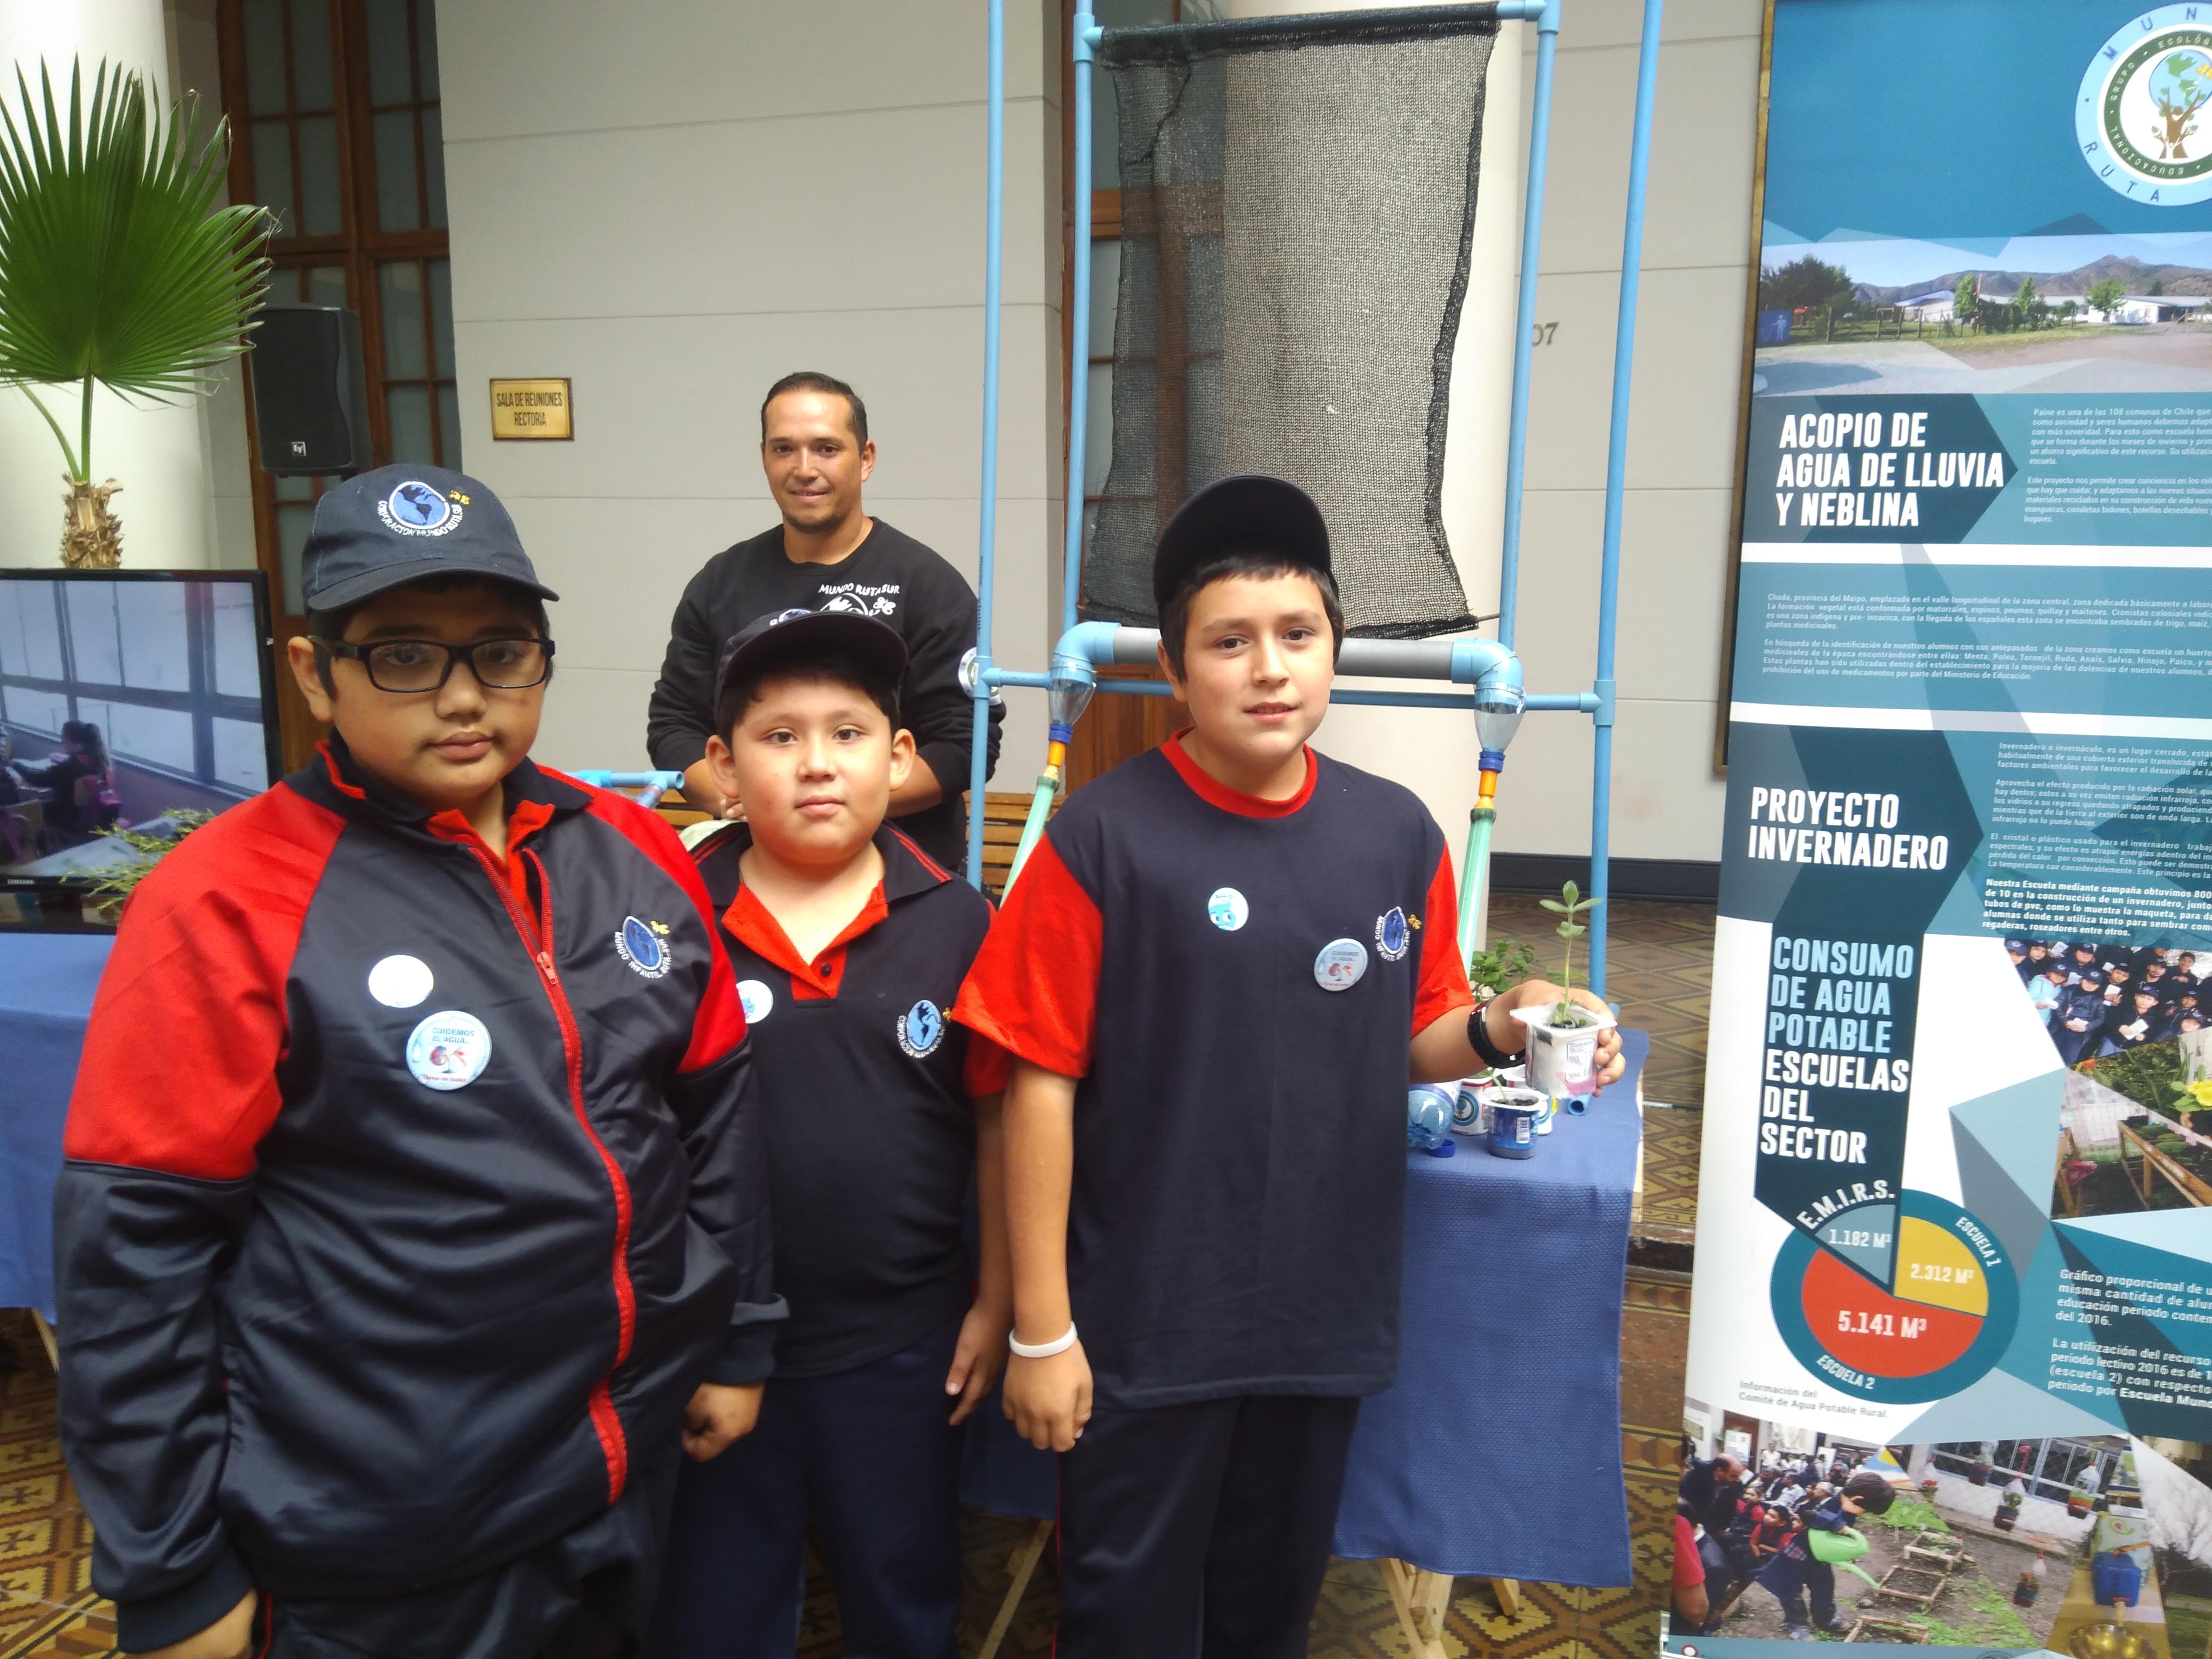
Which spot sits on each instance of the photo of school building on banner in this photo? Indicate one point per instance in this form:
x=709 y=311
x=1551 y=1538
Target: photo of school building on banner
x=1956 y=1199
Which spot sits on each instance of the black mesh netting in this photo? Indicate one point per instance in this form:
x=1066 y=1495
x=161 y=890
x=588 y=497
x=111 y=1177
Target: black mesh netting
x=1298 y=200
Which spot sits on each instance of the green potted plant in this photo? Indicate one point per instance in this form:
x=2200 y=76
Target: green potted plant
x=1563 y=1038
x=1506 y=963
x=1980 y=1474
x=2079 y=1502
x=116 y=267
x=1928 y=1489
x=2007 y=1515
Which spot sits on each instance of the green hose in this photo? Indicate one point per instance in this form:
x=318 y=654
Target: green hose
x=1040 y=810
x=1474 y=880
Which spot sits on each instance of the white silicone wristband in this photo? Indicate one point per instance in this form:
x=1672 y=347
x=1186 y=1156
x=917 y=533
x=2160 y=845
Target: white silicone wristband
x=1040 y=1350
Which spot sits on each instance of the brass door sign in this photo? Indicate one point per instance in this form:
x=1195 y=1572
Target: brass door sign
x=531 y=409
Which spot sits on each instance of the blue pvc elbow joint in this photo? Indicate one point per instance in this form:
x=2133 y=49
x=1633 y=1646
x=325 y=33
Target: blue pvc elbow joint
x=1499 y=700
x=1074 y=674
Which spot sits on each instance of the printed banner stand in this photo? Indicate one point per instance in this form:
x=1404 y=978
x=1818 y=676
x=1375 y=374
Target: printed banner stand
x=1955 y=1218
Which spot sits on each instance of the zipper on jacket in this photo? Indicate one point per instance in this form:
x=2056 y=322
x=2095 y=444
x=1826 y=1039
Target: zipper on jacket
x=538 y=939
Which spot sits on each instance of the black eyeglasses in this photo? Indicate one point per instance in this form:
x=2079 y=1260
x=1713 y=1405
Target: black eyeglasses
x=426 y=665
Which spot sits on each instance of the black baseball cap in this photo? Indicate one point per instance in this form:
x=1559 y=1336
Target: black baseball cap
x=400 y=524
x=1249 y=510
x=785 y=639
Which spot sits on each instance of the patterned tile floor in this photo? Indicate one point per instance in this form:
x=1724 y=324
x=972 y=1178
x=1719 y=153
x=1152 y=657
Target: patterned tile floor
x=1660 y=970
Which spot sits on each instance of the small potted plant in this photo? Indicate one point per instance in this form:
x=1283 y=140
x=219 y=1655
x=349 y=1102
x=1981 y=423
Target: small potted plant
x=1563 y=1038
x=1980 y=1474
x=2007 y=1515
x=1928 y=1489
x=2079 y=1502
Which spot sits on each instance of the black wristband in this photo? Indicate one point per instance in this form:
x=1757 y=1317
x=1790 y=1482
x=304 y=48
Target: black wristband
x=1478 y=1036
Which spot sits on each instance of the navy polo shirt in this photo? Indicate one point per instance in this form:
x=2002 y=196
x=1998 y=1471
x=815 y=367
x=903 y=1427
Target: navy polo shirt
x=1236 y=982
x=865 y=1089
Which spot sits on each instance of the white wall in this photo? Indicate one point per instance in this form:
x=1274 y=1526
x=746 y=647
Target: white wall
x=157 y=452
x=1682 y=440
x=227 y=497
x=674 y=203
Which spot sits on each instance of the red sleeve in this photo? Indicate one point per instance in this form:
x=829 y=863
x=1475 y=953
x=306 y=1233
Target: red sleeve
x=1444 y=984
x=989 y=1068
x=719 y=1026
x=1033 y=989
x=1689 y=1568
x=179 y=1067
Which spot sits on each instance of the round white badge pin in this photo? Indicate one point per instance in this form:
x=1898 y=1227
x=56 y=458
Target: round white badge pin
x=756 y=999
x=1227 y=911
x=401 y=981
x=448 y=1050
x=1340 y=965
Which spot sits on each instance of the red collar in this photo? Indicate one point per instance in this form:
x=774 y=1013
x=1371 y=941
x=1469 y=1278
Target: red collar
x=1214 y=793
x=753 y=925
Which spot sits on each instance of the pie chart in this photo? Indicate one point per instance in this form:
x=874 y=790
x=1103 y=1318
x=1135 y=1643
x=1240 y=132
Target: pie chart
x=1901 y=1300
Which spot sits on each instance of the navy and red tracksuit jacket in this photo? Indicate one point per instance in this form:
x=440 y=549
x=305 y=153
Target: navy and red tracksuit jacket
x=334 y=1331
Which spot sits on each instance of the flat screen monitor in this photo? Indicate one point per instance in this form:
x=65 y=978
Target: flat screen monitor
x=126 y=697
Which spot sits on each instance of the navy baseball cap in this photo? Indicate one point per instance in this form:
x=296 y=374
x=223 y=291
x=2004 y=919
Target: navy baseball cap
x=400 y=524
x=1249 y=510
x=789 y=639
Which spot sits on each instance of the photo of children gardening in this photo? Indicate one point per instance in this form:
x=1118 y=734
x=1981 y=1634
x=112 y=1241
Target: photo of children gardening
x=2098 y=1547
x=2130 y=1028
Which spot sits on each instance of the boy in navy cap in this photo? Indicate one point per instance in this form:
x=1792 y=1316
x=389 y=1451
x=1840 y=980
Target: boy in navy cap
x=849 y=943
x=1218 y=972
x=414 y=1214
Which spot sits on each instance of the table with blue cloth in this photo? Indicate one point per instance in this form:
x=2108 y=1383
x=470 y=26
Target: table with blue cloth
x=1497 y=1454
x=46 y=982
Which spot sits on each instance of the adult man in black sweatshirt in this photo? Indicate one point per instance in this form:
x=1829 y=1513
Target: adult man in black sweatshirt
x=828 y=555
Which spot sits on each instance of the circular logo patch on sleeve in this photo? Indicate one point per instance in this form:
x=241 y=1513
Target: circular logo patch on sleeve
x=756 y=999
x=920 y=1029
x=644 y=947
x=1341 y=965
x=1392 y=936
x=448 y=1050
x=1227 y=909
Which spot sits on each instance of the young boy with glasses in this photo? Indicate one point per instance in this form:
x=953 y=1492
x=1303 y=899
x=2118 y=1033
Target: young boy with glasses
x=414 y=1215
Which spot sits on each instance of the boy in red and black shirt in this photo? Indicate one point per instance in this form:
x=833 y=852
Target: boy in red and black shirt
x=849 y=944
x=414 y=1214
x=1218 y=972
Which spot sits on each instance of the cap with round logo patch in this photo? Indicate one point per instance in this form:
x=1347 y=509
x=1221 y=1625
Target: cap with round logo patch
x=401 y=524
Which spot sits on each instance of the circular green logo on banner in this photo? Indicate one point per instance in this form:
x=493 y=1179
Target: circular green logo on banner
x=1896 y=1302
x=2142 y=119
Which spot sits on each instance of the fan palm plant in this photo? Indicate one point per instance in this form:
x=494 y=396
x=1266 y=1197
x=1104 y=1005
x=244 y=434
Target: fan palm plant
x=116 y=267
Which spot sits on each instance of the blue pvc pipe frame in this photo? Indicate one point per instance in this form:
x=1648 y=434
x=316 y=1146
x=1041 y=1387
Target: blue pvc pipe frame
x=1472 y=661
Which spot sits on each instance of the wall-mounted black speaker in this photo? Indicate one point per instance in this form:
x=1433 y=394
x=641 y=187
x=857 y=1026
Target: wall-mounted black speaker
x=310 y=395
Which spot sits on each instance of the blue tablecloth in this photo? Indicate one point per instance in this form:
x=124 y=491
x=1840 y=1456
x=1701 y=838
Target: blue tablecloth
x=46 y=982
x=1498 y=1453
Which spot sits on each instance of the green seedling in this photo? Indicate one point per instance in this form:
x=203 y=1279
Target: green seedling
x=1567 y=907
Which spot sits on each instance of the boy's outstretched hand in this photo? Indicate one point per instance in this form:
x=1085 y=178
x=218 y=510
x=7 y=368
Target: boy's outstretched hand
x=1443 y=1052
x=230 y=1636
x=1049 y=1399
x=718 y=1415
x=978 y=1357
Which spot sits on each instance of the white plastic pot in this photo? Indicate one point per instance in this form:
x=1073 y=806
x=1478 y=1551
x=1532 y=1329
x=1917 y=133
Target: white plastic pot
x=1563 y=1059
